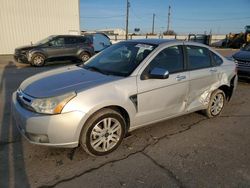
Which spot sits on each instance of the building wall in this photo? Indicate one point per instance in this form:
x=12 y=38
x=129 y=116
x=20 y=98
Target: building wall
x=26 y=21
x=116 y=31
x=114 y=39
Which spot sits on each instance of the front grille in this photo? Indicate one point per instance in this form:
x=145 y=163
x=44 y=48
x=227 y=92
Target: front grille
x=17 y=52
x=20 y=52
x=24 y=100
x=243 y=64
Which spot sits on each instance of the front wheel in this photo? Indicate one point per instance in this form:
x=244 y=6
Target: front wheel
x=216 y=103
x=103 y=132
x=38 y=60
x=85 y=56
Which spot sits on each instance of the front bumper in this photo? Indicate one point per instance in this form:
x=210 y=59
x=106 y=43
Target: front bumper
x=243 y=72
x=21 y=58
x=61 y=130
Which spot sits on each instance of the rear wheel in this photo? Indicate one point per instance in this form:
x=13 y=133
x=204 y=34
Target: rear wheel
x=84 y=56
x=216 y=103
x=103 y=132
x=38 y=60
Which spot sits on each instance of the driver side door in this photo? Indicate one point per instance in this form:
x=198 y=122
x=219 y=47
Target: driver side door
x=162 y=98
x=55 y=48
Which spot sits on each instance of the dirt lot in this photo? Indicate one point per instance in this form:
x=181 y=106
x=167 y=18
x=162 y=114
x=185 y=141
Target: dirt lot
x=189 y=151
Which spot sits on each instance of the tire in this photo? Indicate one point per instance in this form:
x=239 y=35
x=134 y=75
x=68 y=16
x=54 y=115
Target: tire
x=98 y=140
x=84 y=56
x=216 y=103
x=38 y=60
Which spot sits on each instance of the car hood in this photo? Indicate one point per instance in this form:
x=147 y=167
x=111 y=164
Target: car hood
x=27 y=47
x=242 y=55
x=63 y=80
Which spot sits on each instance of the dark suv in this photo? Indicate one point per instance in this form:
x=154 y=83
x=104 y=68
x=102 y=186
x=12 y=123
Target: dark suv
x=56 y=47
x=242 y=59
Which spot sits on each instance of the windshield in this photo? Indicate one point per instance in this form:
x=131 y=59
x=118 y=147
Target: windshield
x=120 y=59
x=247 y=28
x=44 y=40
x=246 y=48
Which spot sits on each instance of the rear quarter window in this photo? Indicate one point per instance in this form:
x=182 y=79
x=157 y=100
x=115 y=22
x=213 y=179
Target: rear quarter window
x=84 y=40
x=216 y=59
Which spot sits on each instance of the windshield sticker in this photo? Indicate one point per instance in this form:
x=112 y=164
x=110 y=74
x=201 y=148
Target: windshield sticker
x=145 y=46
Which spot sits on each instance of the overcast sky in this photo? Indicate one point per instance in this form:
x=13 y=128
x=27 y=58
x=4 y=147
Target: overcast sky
x=187 y=16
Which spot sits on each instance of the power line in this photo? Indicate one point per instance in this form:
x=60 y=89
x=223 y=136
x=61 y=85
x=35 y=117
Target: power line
x=102 y=17
x=139 y=17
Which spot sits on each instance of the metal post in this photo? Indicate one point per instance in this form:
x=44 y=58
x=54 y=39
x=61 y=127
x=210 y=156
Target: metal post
x=153 y=25
x=169 y=8
x=127 y=15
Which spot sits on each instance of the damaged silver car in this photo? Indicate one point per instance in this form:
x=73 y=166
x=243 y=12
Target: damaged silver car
x=128 y=85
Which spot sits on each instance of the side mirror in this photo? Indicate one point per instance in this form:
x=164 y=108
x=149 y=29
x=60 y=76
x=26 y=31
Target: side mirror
x=158 y=73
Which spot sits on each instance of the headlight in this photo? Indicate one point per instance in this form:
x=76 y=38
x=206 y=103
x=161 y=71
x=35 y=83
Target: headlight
x=53 y=105
x=231 y=58
x=23 y=51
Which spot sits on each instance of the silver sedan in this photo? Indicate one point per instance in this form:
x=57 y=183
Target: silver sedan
x=128 y=85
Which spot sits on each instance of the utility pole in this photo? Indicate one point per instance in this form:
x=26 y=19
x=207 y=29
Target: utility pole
x=127 y=15
x=169 y=9
x=153 y=25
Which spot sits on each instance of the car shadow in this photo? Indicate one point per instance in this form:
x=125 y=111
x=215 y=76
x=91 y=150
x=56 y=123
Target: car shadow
x=50 y=64
x=12 y=167
x=244 y=80
x=13 y=171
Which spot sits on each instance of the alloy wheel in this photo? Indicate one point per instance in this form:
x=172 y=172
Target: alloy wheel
x=217 y=104
x=38 y=60
x=85 y=57
x=106 y=134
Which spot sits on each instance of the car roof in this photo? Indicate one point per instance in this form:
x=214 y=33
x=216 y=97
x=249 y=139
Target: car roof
x=165 y=41
x=67 y=36
x=152 y=41
x=196 y=44
x=95 y=33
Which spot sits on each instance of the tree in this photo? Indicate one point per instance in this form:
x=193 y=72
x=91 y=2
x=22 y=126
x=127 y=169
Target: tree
x=170 y=32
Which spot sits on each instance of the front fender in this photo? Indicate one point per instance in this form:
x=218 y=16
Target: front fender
x=116 y=93
x=34 y=51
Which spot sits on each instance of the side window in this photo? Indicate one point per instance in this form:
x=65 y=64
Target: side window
x=198 y=57
x=217 y=60
x=70 y=40
x=170 y=59
x=101 y=39
x=83 y=40
x=58 y=42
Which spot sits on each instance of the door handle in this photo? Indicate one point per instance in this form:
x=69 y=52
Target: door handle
x=179 y=77
x=213 y=70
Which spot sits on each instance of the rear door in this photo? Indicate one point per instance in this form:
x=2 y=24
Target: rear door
x=71 y=46
x=217 y=68
x=162 y=98
x=202 y=76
